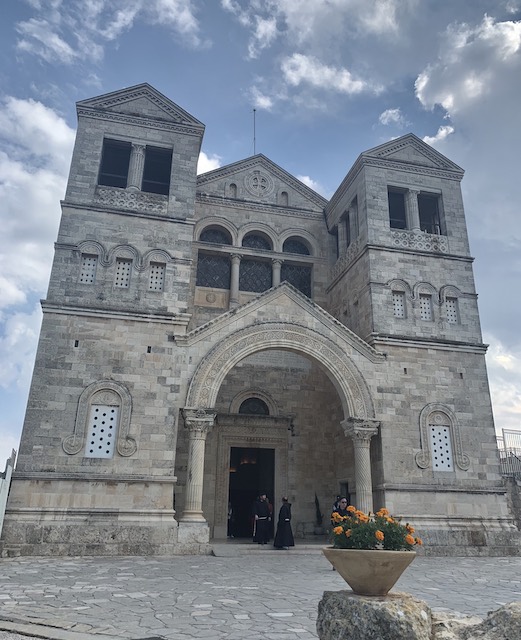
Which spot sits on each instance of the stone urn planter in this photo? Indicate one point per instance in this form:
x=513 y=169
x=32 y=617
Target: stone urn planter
x=369 y=572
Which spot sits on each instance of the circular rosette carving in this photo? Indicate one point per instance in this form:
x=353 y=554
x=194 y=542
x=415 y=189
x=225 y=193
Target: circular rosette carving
x=126 y=447
x=259 y=184
x=72 y=444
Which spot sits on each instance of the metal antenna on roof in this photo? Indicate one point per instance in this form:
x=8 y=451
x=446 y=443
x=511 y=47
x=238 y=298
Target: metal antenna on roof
x=254 y=131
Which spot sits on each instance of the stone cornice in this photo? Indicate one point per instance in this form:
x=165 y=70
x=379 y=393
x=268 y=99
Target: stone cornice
x=440 y=488
x=120 y=118
x=98 y=207
x=241 y=420
x=181 y=319
x=78 y=476
x=426 y=343
x=251 y=205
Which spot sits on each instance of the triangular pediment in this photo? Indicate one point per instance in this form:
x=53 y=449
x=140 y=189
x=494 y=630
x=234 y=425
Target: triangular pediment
x=282 y=304
x=258 y=179
x=141 y=101
x=410 y=149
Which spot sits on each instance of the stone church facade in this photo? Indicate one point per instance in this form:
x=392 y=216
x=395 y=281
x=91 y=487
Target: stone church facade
x=206 y=338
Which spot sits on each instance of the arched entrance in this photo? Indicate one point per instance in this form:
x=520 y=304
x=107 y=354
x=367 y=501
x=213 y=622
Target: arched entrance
x=334 y=359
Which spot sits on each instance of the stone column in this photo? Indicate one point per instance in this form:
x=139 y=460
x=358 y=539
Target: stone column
x=276 y=264
x=198 y=422
x=411 y=209
x=342 y=237
x=234 y=285
x=361 y=431
x=135 y=169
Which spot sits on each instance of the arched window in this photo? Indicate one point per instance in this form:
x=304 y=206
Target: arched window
x=233 y=190
x=256 y=241
x=295 y=245
x=284 y=199
x=255 y=407
x=215 y=235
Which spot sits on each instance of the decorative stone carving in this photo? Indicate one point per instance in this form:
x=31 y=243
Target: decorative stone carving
x=353 y=390
x=259 y=183
x=419 y=241
x=134 y=200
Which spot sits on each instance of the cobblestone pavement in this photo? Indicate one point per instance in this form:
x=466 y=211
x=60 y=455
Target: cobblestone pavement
x=265 y=594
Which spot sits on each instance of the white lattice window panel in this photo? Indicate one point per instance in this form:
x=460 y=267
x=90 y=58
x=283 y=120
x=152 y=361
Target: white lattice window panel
x=101 y=431
x=425 y=306
x=157 y=276
x=399 y=304
x=451 y=307
x=441 y=448
x=123 y=269
x=88 y=268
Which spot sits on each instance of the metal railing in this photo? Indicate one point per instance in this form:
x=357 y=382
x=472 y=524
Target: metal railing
x=509 y=445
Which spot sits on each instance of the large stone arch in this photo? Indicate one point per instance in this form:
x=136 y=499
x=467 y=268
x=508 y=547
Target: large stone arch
x=338 y=365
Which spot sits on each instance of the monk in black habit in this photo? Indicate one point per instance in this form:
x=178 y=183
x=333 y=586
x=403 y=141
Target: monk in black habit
x=284 y=535
x=261 y=512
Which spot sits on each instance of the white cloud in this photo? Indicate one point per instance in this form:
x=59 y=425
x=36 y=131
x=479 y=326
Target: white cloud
x=207 y=163
x=18 y=343
x=441 y=134
x=392 y=116
x=504 y=366
x=260 y=100
x=76 y=31
x=471 y=64
x=300 y=69
x=312 y=184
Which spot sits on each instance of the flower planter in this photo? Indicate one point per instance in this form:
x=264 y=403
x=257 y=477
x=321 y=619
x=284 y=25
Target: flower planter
x=369 y=572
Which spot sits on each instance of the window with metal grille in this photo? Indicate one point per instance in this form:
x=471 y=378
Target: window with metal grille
x=397 y=217
x=295 y=245
x=123 y=269
x=399 y=304
x=101 y=431
x=425 y=306
x=157 y=170
x=428 y=209
x=451 y=306
x=297 y=275
x=441 y=448
x=256 y=241
x=115 y=161
x=254 y=275
x=88 y=268
x=215 y=235
x=213 y=271
x=157 y=276
x=254 y=406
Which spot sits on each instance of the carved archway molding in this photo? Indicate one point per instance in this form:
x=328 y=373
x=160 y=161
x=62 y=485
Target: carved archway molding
x=105 y=392
x=340 y=368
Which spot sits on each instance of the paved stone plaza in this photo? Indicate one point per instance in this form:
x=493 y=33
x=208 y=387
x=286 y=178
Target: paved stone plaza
x=239 y=594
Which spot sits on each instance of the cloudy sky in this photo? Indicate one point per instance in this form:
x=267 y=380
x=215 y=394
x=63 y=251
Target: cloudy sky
x=327 y=79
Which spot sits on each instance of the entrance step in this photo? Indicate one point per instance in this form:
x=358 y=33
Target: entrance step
x=232 y=549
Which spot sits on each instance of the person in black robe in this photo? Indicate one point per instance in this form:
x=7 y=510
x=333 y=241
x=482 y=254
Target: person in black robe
x=284 y=535
x=261 y=512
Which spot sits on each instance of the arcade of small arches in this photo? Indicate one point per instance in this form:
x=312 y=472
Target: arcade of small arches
x=242 y=262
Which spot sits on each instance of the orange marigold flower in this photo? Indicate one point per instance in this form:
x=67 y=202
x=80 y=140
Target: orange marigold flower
x=382 y=512
x=337 y=530
x=379 y=535
x=418 y=541
x=336 y=517
x=409 y=528
x=409 y=539
x=351 y=509
x=390 y=520
x=363 y=518
x=348 y=533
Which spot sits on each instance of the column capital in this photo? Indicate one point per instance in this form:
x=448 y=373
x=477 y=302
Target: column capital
x=199 y=421
x=414 y=192
x=236 y=257
x=137 y=147
x=276 y=261
x=360 y=429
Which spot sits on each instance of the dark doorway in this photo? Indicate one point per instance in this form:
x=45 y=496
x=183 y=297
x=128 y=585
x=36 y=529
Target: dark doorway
x=251 y=472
